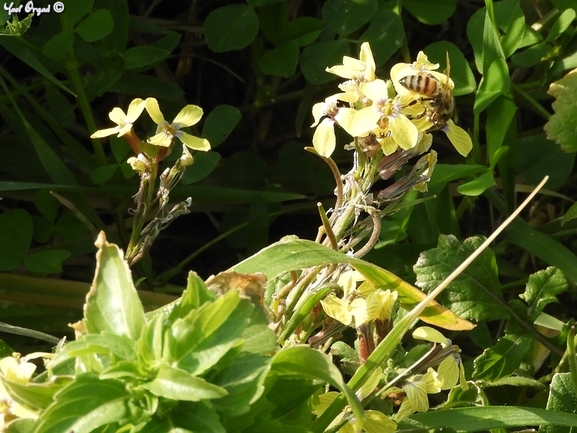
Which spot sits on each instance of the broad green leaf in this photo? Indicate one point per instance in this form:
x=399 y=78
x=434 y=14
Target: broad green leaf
x=186 y=417
x=281 y=60
x=199 y=340
x=96 y=26
x=562 y=398
x=563 y=122
x=194 y=296
x=503 y=358
x=545 y=247
x=22 y=425
x=75 y=11
x=445 y=173
x=460 y=71
x=204 y=164
x=292 y=253
x=570 y=214
x=85 y=404
x=112 y=304
x=509 y=18
x=46 y=262
x=304 y=30
x=542 y=289
x=16 y=231
x=36 y=396
x=103 y=174
x=501 y=112
x=385 y=34
x=305 y=362
x=220 y=123
x=476 y=293
x=561 y=24
x=243 y=381
x=230 y=27
x=346 y=16
x=59 y=46
x=484 y=418
x=106 y=343
x=176 y=384
x=423 y=11
x=531 y=56
x=143 y=57
x=538 y=157
x=477 y=186
x=315 y=57
x=495 y=82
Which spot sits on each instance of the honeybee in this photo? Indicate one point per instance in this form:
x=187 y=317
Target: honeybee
x=436 y=96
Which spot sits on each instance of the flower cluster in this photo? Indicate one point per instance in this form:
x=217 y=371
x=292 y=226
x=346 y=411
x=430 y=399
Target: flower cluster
x=395 y=114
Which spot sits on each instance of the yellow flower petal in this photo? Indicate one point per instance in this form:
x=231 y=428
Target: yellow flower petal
x=195 y=143
x=404 y=131
x=161 y=139
x=366 y=56
x=358 y=123
x=154 y=111
x=417 y=394
x=324 y=139
x=449 y=372
x=430 y=334
x=337 y=308
x=117 y=116
x=378 y=422
x=458 y=137
x=105 y=132
x=188 y=116
x=135 y=109
x=388 y=144
x=376 y=91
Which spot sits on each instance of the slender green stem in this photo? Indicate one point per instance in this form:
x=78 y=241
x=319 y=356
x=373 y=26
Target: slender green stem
x=532 y=102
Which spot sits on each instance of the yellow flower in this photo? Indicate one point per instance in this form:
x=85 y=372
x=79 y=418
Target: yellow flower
x=165 y=132
x=362 y=69
x=417 y=389
x=422 y=64
x=458 y=137
x=123 y=121
x=16 y=370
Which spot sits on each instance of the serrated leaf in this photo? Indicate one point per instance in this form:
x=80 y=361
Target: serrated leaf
x=542 y=289
x=476 y=293
x=231 y=27
x=562 y=398
x=112 y=304
x=503 y=358
x=562 y=124
x=177 y=384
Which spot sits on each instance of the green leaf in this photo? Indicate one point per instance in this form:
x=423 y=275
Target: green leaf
x=561 y=24
x=177 y=384
x=538 y=157
x=570 y=214
x=230 y=28
x=346 y=16
x=503 y=358
x=86 y=404
x=422 y=10
x=143 y=57
x=545 y=247
x=460 y=72
x=116 y=346
x=36 y=396
x=220 y=123
x=22 y=425
x=187 y=417
x=445 y=173
x=305 y=362
x=562 y=398
x=59 y=46
x=96 y=26
x=75 y=11
x=281 y=60
x=501 y=112
x=315 y=57
x=477 y=186
x=292 y=253
x=46 y=262
x=16 y=231
x=531 y=56
x=243 y=381
x=204 y=164
x=112 y=304
x=542 y=289
x=199 y=340
x=100 y=175
x=562 y=124
x=476 y=293
x=385 y=34
x=304 y=30
x=509 y=17
x=486 y=418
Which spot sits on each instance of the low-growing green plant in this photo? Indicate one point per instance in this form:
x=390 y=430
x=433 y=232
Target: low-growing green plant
x=265 y=345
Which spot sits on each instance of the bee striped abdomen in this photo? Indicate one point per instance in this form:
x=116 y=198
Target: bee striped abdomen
x=423 y=84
